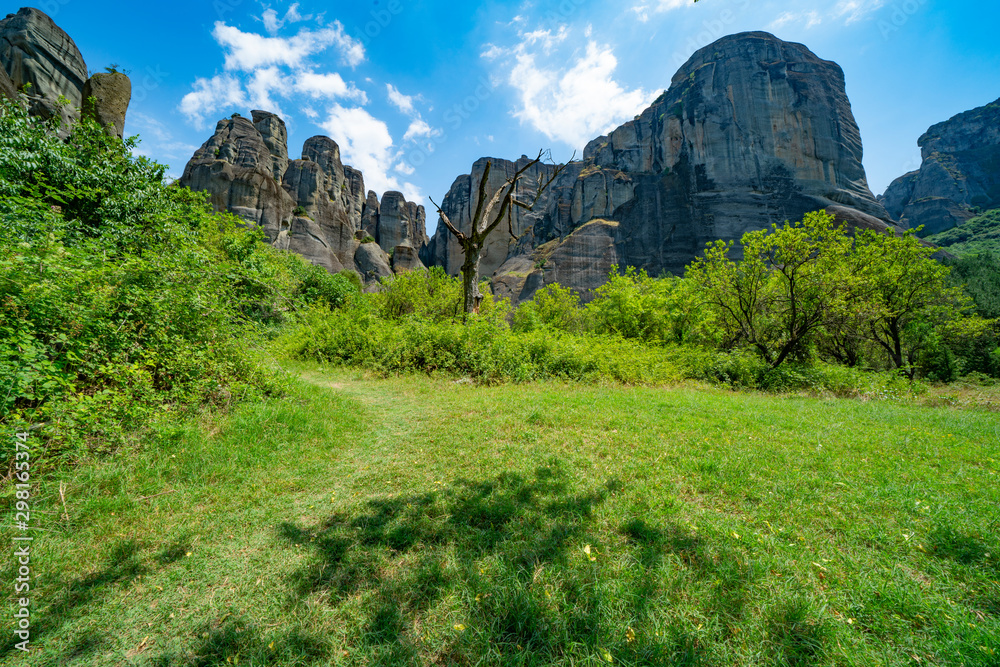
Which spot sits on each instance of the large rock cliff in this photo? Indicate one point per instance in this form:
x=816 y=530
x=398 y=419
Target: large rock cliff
x=42 y=61
x=959 y=174
x=752 y=131
x=314 y=206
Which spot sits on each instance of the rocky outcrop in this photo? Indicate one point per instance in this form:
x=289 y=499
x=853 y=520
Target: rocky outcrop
x=405 y=258
x=43 y=62
x=315 y=206
x=111 y=95
x=959 y=174
x=752 y=131
x=400 y=223
x=7 y=88
x=40 y=60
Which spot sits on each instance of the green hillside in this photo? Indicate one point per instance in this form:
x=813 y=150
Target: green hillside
x=980 y=235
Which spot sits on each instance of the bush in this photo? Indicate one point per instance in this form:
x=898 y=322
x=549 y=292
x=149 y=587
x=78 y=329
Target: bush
x=122 y=298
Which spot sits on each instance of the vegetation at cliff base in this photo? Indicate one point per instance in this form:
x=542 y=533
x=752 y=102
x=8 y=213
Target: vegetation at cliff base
x=123 y=300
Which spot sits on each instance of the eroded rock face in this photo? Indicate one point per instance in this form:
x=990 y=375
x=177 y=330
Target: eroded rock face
x=315 y=206
x=236 y=168
x=7 y=88
x=960 y=171
x=112 y=94
x=752 y=131
x=35 y=51
x=400 y=223
x=405 y=258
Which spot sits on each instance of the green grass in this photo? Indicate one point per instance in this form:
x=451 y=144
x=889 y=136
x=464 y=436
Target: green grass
x=422 y=521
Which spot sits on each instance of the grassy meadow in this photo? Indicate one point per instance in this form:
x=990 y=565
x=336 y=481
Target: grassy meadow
x=417 y=520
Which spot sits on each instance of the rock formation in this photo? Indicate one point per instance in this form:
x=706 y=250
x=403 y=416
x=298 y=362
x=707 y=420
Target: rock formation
x=960 y=173
x=752 y=131
x=315 y=206
x=7 y=88
x=44 y=63
x=111 y=94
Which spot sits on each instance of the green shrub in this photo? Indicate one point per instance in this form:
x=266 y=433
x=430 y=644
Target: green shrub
x=122 y=298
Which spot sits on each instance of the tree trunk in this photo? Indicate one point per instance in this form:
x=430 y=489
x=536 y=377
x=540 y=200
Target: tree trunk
x=470 y=283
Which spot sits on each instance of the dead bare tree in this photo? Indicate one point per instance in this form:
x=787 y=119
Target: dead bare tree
x=485 y=221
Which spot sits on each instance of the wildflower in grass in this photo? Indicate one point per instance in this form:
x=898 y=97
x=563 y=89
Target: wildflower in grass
x=590 y=555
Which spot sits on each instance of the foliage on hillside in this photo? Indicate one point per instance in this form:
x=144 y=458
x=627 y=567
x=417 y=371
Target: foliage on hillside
x=809 y=306
x=979 y=235
x=121 y=297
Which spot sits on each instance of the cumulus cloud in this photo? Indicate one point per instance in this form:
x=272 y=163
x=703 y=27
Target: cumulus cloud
x=209 y=95
x=248 y=51
x=366 y=144
x=418 y=128
x=330 y=85
x=569 y=100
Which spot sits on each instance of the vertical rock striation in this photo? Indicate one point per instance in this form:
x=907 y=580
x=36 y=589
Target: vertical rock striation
x=752 y=131
x=314 y=206
x=960 y=172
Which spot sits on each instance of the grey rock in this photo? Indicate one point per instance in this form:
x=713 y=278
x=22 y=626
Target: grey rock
x=235 y=167
x=372 y=262
x=111 y=95
x=35 y=51
x=7 y=88
x=369 y=215
x=400 y=223
x=405 y=258
x=752 y=131
x=960 y=170
x=315 y=206
x=275 y=135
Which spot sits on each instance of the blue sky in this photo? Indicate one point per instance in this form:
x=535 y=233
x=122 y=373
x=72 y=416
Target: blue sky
x=415 y=90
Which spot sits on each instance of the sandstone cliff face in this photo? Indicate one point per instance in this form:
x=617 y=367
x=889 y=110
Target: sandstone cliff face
x=40 y=59
x=315 y=206
x=35 y=51
x=752 y=131
x=7 y=88
x=112 y=93
x=960 y=170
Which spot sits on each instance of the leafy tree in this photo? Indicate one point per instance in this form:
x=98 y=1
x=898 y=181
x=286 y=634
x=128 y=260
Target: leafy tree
x=908 y=300
x=790 y=280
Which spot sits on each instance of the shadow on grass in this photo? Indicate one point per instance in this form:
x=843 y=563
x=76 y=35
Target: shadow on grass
x=505 y=558
x=68 y=600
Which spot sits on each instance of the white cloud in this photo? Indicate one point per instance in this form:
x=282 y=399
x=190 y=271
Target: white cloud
x=365 y=144
x=273 y=24
x=405 y=168
x=643 y=9
x=811 y=19
x=261 y=85
x=571 y=101
x=418 y=128
x=330 y=85
x=855 y=10
x=248 y=51
x=402 y=102
x=211 y=95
